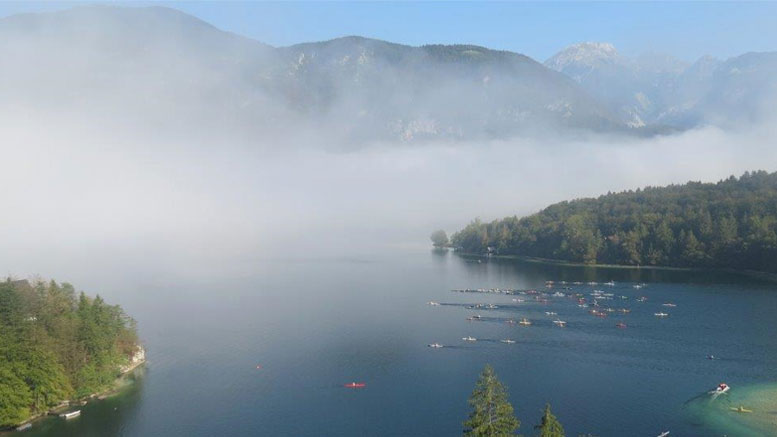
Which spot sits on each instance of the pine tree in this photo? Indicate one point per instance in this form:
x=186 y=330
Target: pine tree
x=492 y=415
x=550 y=426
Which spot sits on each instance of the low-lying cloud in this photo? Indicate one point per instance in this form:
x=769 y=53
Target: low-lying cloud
x=82 y=196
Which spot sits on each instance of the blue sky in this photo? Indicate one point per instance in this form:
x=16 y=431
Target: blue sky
x=539 y=29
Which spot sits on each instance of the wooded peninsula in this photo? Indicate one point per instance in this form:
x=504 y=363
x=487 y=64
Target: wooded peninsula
x=56 y=345
x=728 y=224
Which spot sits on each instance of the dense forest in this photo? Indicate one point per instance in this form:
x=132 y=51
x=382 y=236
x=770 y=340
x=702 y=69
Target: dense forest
x=57 y=345
x=728 y=224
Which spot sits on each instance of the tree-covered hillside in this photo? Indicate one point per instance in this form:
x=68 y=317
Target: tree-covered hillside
x=731 y=224
x=56 y=345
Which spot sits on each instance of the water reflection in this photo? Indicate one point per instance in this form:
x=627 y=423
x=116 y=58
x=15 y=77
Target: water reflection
x=538 y=271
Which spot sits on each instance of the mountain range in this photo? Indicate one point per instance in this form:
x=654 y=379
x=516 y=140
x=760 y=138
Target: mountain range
x=159 y=67
x=657 y=89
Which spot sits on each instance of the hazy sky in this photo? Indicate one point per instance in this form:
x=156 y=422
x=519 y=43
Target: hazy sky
x=539 y=29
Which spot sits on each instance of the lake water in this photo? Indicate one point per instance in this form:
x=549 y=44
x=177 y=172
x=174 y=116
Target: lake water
x=316 y=324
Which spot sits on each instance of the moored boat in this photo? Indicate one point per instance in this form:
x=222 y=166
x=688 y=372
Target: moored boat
x=525 y=322
x=435 y=345
x=469 y=338
x=508 y=341
x=355 y=385
x=70 y=415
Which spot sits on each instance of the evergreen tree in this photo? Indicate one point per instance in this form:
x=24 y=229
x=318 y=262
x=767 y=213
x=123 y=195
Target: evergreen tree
x=492 y=415
x=732 y=224
x=15 y=397
x=549 y=426
x=55 y=345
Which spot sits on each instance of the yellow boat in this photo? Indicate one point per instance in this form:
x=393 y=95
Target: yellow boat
x=741 y=409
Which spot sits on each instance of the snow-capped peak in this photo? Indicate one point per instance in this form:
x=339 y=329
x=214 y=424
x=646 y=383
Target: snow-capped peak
x=584 y=53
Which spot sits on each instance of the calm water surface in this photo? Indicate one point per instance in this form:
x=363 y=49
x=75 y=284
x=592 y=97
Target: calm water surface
x=316 y=324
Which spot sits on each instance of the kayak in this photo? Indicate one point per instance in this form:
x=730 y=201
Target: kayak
x=355 y=385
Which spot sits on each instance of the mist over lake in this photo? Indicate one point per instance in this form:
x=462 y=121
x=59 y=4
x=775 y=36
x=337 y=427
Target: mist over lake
x=262 y=209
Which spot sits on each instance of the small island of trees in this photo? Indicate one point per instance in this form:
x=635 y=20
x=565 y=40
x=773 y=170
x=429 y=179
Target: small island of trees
x=729 y=224
x=56 y=345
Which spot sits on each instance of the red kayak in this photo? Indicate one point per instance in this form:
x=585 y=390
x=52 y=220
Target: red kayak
x=355 y=385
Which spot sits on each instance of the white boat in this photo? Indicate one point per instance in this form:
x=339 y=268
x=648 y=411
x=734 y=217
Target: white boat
x=637 y=286
x=70 y=415
x=611 y=283
x=469 y=338
x=669 y=304
x=525 y=322
x=661 y=314
x=435 y=345
x=560 y=323
x=508 y=341
x=664 y=434
x=559 y=294
x=550 y=313
x=433 y=303
x=720 y=389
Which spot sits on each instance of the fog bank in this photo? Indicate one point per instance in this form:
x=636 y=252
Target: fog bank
x=79 y=198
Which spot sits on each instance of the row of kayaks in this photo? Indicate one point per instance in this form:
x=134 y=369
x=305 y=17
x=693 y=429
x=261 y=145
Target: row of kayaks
x=610 y=283
x=471 y=339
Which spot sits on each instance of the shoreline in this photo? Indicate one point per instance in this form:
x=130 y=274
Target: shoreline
x=67 y=404
x=767 y=276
